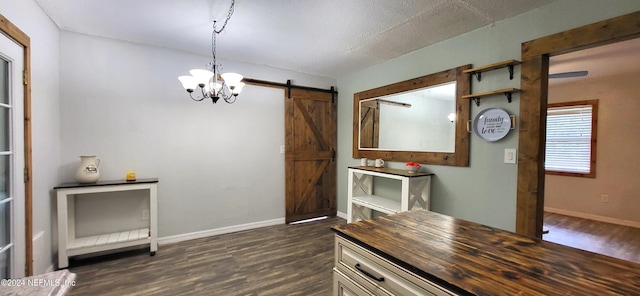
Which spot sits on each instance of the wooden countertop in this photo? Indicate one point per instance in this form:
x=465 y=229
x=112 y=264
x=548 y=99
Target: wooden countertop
x=483 y=260
x=106 y=183
x=404 y=173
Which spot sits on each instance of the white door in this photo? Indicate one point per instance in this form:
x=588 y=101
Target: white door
x=12 y=213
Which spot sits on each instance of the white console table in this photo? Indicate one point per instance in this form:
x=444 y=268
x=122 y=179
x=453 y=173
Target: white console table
x=415 y=192
x=70 y=245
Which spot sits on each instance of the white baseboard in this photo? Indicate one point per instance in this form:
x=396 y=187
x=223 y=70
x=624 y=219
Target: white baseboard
x=635 y=224
x=341 y=215
x=207 y=233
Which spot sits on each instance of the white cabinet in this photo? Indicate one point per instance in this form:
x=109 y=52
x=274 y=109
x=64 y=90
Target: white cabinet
x=343 y=286
x=358 y=271
x=70 y=245
x=361 y=200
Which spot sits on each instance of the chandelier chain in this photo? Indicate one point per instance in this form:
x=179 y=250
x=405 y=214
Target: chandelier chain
x=229 y=14
x=215 y=67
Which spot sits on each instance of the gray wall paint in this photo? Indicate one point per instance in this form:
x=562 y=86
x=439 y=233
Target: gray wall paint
x=45 y=100
x=219 y=165
x=484 y=192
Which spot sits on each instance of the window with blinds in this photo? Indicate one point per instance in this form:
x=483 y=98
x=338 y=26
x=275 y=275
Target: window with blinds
x=571 y=138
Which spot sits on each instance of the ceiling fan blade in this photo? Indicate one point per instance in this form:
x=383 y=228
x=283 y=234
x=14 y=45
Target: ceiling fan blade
x=568 y=74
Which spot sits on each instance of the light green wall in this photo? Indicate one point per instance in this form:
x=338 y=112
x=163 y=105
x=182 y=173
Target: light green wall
x=484 y=192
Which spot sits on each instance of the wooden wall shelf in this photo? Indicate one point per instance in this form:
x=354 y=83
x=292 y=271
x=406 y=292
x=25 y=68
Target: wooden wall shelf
x=506 y=91
x=478 y=71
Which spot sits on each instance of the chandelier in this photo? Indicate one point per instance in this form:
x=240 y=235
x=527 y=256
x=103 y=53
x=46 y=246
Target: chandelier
x=227 y=88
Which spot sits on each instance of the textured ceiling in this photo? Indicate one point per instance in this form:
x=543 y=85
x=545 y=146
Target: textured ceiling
x=322 y=37
x=620 y=58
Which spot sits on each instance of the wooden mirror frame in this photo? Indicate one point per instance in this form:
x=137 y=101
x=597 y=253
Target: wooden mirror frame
x=463 y=87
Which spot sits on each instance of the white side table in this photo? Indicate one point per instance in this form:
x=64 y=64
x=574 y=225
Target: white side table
x=70 y=245
x=416 y=192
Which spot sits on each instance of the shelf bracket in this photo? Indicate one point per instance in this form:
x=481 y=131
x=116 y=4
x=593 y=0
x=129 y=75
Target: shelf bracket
x=478 y=75
x=508 y=94
x=477 y=100
x=510 y=72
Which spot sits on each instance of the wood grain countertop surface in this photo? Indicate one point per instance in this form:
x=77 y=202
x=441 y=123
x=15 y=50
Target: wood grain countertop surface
x=398 y=172
x=483 y=260
x=106 y=183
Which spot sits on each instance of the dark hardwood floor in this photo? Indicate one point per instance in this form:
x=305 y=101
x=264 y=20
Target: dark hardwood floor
x=613 y=240
x=275 y=260
x=283 y=260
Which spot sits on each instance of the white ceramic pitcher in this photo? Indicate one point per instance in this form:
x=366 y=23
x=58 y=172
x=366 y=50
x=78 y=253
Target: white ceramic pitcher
x=89 y=170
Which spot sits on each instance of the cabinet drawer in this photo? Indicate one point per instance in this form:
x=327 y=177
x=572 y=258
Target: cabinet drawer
x=379 y=275
x=342 y=286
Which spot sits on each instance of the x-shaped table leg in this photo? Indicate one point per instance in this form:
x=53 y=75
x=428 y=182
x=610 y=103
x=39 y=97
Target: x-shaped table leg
x=359 y=182
x=417 y=195
x=360 y=213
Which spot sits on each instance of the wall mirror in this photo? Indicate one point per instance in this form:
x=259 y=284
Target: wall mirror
x=422 y=119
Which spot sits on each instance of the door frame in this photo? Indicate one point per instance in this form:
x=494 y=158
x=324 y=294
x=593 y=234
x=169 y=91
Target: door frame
x=533 y=106
x=23 y=39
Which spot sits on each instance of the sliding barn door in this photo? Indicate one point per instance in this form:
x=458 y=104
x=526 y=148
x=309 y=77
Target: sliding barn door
x=310 y=145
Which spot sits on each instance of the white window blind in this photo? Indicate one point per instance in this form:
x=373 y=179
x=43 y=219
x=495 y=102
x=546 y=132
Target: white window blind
x=568 y=147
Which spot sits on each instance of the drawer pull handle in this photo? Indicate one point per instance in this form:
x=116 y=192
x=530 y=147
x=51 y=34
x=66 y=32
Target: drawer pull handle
x=379 y=279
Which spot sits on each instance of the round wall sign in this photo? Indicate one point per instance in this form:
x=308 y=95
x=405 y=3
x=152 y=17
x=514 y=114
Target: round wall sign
x=492 y=124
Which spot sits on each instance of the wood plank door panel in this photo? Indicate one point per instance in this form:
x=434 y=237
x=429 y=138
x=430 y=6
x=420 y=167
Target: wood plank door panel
x=369 y=124
x=310 y=145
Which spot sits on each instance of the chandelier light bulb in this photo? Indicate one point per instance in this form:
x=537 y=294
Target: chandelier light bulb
x=237 y=89
x=188 y=82
x=202 y=77
x=232 y=79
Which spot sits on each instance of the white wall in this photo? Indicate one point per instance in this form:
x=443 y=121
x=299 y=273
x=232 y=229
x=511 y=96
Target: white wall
x=219 y=165
x=484 y=192
x=45 y=114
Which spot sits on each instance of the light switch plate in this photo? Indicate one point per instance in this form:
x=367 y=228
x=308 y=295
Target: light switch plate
x=510 y=156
